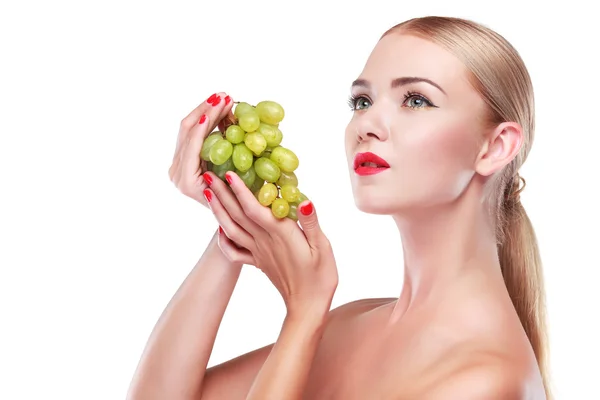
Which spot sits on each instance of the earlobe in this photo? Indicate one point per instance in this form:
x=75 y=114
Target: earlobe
x=500 y=149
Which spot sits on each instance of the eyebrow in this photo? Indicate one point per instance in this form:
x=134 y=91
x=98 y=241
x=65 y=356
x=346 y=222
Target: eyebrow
x=399 y=82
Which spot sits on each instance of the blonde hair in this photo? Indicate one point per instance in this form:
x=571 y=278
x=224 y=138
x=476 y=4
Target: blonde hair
x=499 y=75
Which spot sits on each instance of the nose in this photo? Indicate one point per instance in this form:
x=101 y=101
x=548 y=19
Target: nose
x=371 y=126
x=362 y=136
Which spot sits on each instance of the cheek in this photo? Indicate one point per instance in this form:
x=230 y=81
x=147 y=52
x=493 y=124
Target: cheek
x=350 y=142
x=437 y=157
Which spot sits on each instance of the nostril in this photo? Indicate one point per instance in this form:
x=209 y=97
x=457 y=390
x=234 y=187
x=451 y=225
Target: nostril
x=365 y=136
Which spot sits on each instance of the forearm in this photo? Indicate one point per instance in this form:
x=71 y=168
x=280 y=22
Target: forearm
x=285 y=372
x=178 y=350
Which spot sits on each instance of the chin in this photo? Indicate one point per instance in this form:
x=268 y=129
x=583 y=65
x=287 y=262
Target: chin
x=377 y=203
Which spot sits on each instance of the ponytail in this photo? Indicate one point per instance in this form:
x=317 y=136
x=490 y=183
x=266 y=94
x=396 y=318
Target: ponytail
x=521 y=266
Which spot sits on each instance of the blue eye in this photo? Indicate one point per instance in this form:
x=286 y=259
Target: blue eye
x=415 y=100
x=358 y=103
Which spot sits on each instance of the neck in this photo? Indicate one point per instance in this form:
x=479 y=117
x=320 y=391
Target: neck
x=442 y=245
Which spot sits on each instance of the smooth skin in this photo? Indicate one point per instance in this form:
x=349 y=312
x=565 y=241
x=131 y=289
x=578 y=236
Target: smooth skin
x=452 y=333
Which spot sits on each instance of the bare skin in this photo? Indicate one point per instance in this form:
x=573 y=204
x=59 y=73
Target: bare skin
x=452 y=333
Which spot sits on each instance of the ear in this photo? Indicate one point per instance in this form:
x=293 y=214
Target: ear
x=500 y=149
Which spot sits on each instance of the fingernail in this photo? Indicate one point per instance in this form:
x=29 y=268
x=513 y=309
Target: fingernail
x=307 y=209
x=228 y=178
x=207 y=178
x=208 y=195
x=227 y=100
x=211 y=98
x=202 y=119
x=216 y=101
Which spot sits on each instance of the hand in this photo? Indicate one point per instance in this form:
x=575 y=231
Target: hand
x=187 y=166
x=299 y=262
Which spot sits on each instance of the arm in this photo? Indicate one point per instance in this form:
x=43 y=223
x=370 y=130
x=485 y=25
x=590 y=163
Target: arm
x=298 y=260
x=174 y=361
x=285 y=372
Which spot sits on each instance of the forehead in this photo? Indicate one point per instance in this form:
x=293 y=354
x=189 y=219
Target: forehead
x=398 y=55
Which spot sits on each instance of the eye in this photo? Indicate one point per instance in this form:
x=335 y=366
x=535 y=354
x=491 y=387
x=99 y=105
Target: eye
x=415 y=100
x=358 y=103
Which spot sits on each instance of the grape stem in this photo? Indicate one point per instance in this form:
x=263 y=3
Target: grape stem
x=238 y=102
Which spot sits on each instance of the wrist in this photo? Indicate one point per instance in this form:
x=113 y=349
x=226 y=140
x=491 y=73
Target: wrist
x=312 y=314
x=213 y=251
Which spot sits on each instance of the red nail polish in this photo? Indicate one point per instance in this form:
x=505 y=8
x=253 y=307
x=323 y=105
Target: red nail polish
x=211 y=98
x=208 y=195
x=216 y=101
x=307 y=209
x=207 y=178
x=202 y=119
x=227 y=100
x=228 y=178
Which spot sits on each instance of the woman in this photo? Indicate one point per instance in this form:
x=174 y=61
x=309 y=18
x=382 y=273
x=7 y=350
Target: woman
x=443 y=118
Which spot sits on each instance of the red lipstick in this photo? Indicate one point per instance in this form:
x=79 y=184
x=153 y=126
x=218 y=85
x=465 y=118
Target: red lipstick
x=369 y=164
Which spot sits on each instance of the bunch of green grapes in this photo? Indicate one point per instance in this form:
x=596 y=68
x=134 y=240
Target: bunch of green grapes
x=251 y=147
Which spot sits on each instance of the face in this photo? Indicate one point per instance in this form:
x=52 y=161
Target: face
x=428 y=133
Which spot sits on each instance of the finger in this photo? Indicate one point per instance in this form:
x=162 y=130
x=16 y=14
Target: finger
x=234 y=231
x=216 y=99
x=231 y=204
x=250 y=206
x=191 y=160
x=205 y=124
x=232 y=252
x=214 y=108
x=307 y=217
x=185 y=172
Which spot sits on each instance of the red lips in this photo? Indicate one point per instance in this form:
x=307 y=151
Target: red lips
x=369 y=164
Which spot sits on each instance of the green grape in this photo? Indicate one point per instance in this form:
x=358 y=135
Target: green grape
x=267 y=169
x=258 y=183
x=280 y=208
x=235 y=134
x=242 y=157
x=255 y=142
x=248 y=176
x=267 y=194
x=285 y=159
x=272 y=134
x=287 y=178
x=270 y=112
x=220 y=152
x=278 y=138
x=302 y=198
x=208 y=144
x=221 y=170
x=242 y=108
x=249 y=121
x=293 y=213
x=290 y=193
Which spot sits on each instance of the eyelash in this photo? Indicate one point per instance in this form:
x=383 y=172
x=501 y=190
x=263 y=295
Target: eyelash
x=408 y=95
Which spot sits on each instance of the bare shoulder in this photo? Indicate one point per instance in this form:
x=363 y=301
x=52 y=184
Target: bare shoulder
x=348 y=313
x=361 y=306
x=482 y=376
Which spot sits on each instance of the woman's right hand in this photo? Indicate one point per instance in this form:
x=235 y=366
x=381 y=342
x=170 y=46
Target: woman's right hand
x=187 y=167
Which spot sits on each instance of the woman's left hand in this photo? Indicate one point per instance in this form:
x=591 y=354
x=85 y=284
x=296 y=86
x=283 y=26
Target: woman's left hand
x=298 y=260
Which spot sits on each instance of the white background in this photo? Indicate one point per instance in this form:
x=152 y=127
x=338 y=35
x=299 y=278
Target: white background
x=95 y=239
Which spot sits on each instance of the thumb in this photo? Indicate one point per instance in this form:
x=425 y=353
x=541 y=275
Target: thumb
x=307 y=217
